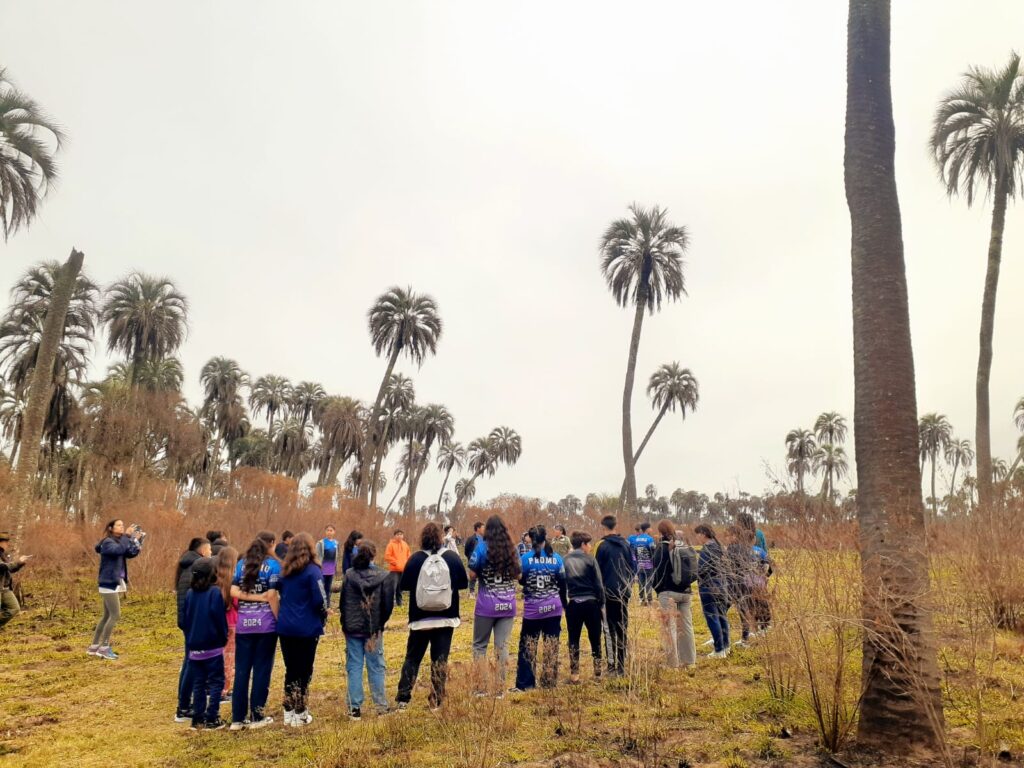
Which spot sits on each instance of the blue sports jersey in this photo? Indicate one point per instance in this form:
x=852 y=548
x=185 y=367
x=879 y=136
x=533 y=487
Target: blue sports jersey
x=643 y=546
x=543 y=580
x=258 y=618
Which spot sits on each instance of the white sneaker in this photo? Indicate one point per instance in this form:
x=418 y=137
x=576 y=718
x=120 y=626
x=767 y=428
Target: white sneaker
x=740 y=644
x=255 y=724
x=708 y=642
x=288 y=717
x=300 y=719
x=719 y=654
x=236 y=726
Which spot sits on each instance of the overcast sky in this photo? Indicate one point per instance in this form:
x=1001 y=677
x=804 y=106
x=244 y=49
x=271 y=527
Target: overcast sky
x=286 y=163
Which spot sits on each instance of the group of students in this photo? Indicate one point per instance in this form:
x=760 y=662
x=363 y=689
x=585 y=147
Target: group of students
x=233 y=608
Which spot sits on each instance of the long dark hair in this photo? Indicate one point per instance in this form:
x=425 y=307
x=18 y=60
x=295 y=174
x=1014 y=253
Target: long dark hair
x=431 y=538
x=108 y=529
x=204 y=575
x=539 y=537
x=367 y=551
x=350 y=542
x=301 y=552
x=254 y=557
x=226 y=561
x=501 y=552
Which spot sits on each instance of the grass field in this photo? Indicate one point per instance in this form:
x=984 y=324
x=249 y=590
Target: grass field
x=60 y=707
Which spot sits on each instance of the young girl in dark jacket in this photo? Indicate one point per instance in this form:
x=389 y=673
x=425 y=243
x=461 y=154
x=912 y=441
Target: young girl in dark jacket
x=713 y=588
x=115 y=549
x=300 y=623
x=206 y=634
x=366 y=606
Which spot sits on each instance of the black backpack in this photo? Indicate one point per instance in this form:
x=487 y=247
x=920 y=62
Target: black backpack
x=684 y=566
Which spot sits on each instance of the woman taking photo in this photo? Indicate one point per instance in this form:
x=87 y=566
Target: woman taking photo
x=496 y=565
x=255 y=585
x=300 y=622
x=327 y=556
x=115 y=549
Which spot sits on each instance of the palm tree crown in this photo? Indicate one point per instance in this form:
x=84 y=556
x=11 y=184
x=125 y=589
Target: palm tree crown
x=671 y=386
x=830 y=427
x=270 y=394
x=145 y=317
x=978 y=132
x=642 y=258
x=28 y=142
x=934 y=432
x=800 y=449
x=403 y=321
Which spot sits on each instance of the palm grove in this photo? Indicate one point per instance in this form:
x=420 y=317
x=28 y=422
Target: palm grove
x=67 y=430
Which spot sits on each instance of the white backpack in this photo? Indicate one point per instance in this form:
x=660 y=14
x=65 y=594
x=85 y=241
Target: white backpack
x=434 y=585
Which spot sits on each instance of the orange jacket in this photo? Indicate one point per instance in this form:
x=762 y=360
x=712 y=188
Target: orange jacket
x=396 y=555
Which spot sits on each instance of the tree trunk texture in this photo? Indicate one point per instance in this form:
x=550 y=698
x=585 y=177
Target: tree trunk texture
x=628 y=502
x=444 y=484
x=982 y=431
x=901 y=706
x=372 y=441
x=380 y=450
x=41 y=387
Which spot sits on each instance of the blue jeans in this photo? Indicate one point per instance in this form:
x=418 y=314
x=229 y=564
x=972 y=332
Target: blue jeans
x=644 y=580
x=715 y=606
x=254 y=656
x=207 y=686
x=371 y=651
x=185 y=678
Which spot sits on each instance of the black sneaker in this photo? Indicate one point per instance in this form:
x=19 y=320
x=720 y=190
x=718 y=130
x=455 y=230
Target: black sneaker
x=182 y=715
x=217 y=725
x=355 y=714
x=402 y=705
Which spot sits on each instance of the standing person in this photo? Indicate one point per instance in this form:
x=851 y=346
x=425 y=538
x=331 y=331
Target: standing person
x=740 y=566
x=366 y=604
x=226 y=562
x=300 y=622
x=281 y=550
x=523 y=547
x=217 y=541
x=746 y=520
x=543 y=581
x=327 y=555
x=255 y=584
x=197 y=549
x=115 y=549
x=9 y=607
x=642 y=544
x=585 y=605
x=395 y=557
x=451 y=541
x=471 y=544
x=433 y=578
x=497 y=567
x=675 y=569
x=618 y=569
x=711 y=582
x=561 y=543
x=206 y=634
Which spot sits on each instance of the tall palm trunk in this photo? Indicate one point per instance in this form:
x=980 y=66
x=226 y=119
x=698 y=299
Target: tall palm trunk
x=628 y=501
x=901 y=705
x=982 y=432
x=440 y=496
x=398 y=490
x=378 y=461
x=372 y=441
x=935 y=501
x=41 y=388
x=952 y=479
x=411 y=476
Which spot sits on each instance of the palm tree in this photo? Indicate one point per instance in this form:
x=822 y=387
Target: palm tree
x=484 y=455
x=164 y=375
x=145 y=318
x=340 y=420
x=800 y=449
x=830 y=429
x=436 y=424
x=293 y=446
x=21 y=332
x=642 y=262
x=412 y=461
x=39 y=391
x=28 y=142
x=999 y=471
x=255 y=449
x=670 y=387
x=399 y=397
x=934 y=435
x=465 y=490
x=450 y=455
x=901 y=702
x=978 y=143
x=222 y=380
x=305 y=400
x=830 y=460
x=399 y=321
x=271 y=395
x=959 y=453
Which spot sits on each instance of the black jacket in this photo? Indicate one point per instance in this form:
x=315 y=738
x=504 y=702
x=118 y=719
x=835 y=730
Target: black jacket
x=662 y=579
x=184 y=582
x=460 y=580
x=366 y=603
x=618 y=568
x=711 y=569
x=583 y=577
x=6 y=569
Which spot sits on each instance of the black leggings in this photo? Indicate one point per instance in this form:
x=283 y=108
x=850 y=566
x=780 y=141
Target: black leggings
x=299 y=654
x=578 y=615
x=439 y=640
x=617 y=612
